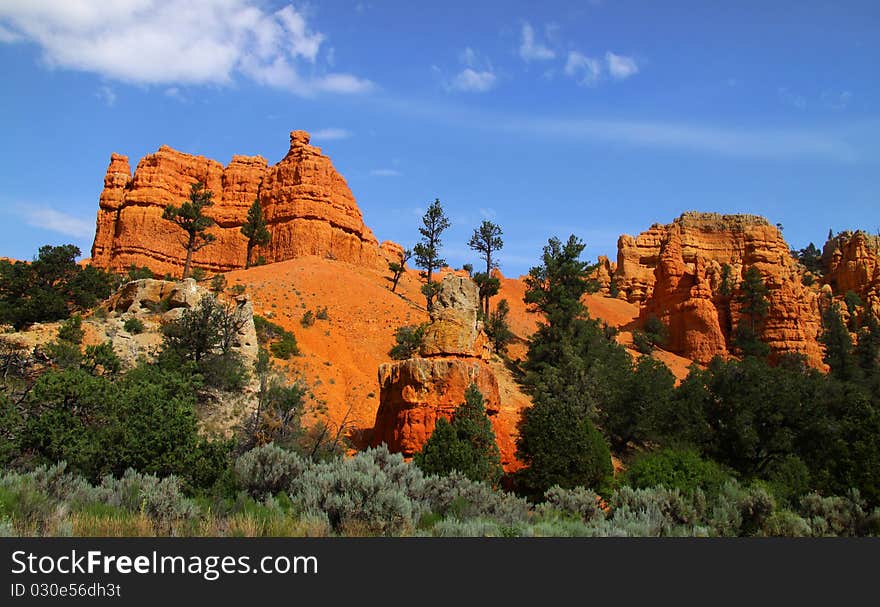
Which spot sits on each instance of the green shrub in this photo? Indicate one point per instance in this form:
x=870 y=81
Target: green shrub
x=133 y=325
x=408 y=341
x=681 y=469
x=641 y=342
x=579 y=502
x=308 y=319
x=268 y=470
x=71 y=330
x=322 y=314
x=286 y=347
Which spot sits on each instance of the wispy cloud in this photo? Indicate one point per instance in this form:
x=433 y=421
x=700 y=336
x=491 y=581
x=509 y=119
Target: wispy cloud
x=107 y=95
x=620 y=67
x=790 y=98
x=385 y=173
x=57 y=221
x=585 y=70
x=530 y=49
x=756 y=143
x=167 y=42
x=836 y=101
x=331 y=134
x=470 y=80
x=477 y=76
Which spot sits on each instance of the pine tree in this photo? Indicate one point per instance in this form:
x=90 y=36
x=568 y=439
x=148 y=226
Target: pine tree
x=398 y=268
x=754 y=305
x=427 y=252
x=191 y=219
x=255 y=230
x=466 y=444
x=486 y=240
x=838 y=345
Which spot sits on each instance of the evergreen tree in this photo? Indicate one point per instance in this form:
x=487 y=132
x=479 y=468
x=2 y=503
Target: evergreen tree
x=255 y=230
x=466 y=445
x=838 y=345
x=497 y=327
x=868 y=348
x=559 y=447
x=427 y=252
x=191 y=219
x=555 y=287
x=398 y=268
x=754 y=305
x=486 y=240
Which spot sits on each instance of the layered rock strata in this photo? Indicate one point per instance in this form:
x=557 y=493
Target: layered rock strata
x=307 y=205
x=688 y=274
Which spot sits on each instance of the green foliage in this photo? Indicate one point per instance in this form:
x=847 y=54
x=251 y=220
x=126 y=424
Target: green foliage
x=190 y=218
x=281 y=342
x=427 y=251
x=399 y=267
x=641 y=342
x=71 y=330
x=268 y=470
x=469 y=268
x=198 y=274
x=839 y=355
x=101 y=360
x=218 y=283
x=811 y=258
x=681 y=469
x=625 y=411
x=754 y=305
x=408 y=341
x=205 y=335
x=656 y=331
x=255 y=230
x=50 y=287
x=466 y=445
x=498 y=328
x=322 y=313
x=555 y=287
x=559 y=447
x=725 y=289
x=133 y=325
x=308 y=319
x=486 y=240
x=136 y=273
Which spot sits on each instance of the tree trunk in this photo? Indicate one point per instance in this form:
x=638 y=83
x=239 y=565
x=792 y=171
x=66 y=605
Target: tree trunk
x=189 y=252
x=250 y=250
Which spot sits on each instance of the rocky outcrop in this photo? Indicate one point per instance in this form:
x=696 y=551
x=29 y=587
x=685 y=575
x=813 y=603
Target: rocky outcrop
x=415 y=393
x=155 y=302
x=308 y=207
x=688 y=273
x=454 y=329
x=852 y=263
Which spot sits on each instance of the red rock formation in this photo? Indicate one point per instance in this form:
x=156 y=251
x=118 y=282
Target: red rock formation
x=415 y=393
x=852 y=263
x=307 y=204
x=684 y=261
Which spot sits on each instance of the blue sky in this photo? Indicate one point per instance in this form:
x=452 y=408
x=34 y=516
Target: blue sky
x=593 y=117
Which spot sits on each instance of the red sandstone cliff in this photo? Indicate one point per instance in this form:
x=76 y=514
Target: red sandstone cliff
x=307 y=205
x=675 y=273
x=852 y=263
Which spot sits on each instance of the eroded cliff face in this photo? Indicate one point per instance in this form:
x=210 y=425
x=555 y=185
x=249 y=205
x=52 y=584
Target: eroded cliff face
x=308 y=207
x=677 y=273
x=852 y=263
x=415 y=393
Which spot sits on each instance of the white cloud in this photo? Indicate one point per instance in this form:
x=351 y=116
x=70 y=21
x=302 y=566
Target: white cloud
x=620 y=67
x=530 y=49
x=56 y=221
x=585 y=70
x=165 y=42
x=488 y=213
x=331 y=134
x=106 y=95
x=478 y=75
x=792 y=99
x=470 y=80
x=385 y=173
